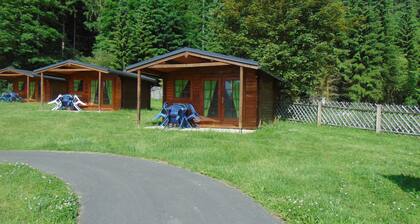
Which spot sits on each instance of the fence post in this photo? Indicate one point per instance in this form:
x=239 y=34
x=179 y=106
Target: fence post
x=319 y=114
x=378 y=117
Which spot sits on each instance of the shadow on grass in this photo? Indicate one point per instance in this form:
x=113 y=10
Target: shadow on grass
x=407 y=183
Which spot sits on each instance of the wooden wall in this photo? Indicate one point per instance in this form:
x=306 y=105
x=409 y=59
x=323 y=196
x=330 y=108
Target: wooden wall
x=197 y=77
x=266 y=98
x=37 y=96
x=87 y=78
x=129 y=93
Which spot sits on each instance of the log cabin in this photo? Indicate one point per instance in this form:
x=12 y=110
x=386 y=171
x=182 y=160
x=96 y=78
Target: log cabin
x=100 y=87
x=28 y=84
x=227 y=91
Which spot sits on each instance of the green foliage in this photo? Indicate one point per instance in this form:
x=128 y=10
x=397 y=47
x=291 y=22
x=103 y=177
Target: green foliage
x=26 y=28
x=301 y=172
x=132 y=30
x=294 y=40
x=354 y=50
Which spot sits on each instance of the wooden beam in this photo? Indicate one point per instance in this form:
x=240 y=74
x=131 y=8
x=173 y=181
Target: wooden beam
x=226 y=61
x=192 y=65
x=70 y=70
x=138 y=97
x=76 y=65
x=156 y=62
x=99 y=90
x=241 y=96
x=10 y=74
x=42 y=88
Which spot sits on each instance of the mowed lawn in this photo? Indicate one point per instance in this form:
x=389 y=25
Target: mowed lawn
x=299 y=172
x=28 y=196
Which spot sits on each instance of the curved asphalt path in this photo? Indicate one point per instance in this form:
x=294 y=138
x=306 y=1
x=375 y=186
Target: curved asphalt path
x=117 y=189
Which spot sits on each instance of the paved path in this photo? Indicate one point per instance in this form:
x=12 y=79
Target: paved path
x=117 y=189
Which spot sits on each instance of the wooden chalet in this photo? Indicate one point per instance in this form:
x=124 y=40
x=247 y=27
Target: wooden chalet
x=227 y=91
x=28 y=84
x=101 y=88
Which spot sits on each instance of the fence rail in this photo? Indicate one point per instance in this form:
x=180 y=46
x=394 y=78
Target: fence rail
x=399 y=119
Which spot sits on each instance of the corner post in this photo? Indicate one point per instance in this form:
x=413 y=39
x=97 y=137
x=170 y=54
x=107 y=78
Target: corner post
x=241 y=96
x=27 y=88
x=99 y=91
x=42 y=89
x=138 y=97
x=378 y=117
x=319 y=114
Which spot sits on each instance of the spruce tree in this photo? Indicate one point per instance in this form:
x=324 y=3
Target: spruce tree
x=409 y=43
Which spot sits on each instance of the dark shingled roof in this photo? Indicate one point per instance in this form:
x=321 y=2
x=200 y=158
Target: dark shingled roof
x=97 y=67
x=196 y=51
x=30 y=73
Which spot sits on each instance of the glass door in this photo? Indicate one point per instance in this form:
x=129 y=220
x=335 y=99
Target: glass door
x=231 y=100
x=211 y=98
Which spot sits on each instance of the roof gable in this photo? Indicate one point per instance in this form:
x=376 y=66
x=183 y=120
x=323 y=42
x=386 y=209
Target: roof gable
x=73 y=62
x=96 y=68
x=197 y=53
x=17 y=71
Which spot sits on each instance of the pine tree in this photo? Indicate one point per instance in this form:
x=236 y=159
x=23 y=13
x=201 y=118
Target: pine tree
x=409 y=43
x=365 y=53
x=392 y=73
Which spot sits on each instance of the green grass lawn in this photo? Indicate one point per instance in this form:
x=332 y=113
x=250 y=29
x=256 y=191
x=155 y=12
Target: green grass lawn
x=299 y=172
x=28 y=196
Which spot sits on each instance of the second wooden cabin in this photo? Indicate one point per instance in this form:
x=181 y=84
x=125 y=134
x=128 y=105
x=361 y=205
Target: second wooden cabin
x=100 y=87
x=28 y=84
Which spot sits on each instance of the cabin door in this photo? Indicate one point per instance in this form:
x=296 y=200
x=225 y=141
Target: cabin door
x=221 y=99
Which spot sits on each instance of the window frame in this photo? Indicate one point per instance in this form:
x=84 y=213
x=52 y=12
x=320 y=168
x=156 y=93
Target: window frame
x=189 y=89
x=74 y=86
x=23 y=86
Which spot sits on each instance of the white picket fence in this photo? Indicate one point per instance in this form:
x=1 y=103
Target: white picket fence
x=400 y=119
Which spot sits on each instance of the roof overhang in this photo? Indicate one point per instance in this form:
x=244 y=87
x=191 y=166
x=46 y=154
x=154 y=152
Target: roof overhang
x=11 y=72
x=212 y=60
x=71 y=66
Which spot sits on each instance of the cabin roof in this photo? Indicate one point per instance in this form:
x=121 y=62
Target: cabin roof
x=28 y=73
x=95 y=67
x=217 y=56
x=18 y=71
x=230 y=58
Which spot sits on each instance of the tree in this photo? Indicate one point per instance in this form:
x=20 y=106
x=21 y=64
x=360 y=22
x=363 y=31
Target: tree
x=132 y=30
x=26 y=29
x=294 y=40
x=408 y=41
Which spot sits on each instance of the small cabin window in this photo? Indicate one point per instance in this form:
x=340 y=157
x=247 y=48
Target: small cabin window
x=78 y=85
x=182 y=88
x=21 y=85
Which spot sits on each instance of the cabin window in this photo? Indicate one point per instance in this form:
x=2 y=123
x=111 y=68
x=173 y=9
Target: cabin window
x=78 y=85
x=108 y=92
x=32 y=90
x=231 y=99
x=94 y=92
x=21 y=86
x=182 y=88
x=211 y=98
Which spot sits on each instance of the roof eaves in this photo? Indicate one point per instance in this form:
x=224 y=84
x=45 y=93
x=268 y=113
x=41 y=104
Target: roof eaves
x=195 y=51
